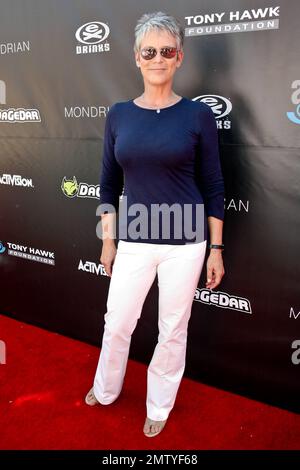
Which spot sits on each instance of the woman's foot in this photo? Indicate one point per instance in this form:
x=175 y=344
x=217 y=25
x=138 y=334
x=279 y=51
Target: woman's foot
x=152 y=428
x=90 y=398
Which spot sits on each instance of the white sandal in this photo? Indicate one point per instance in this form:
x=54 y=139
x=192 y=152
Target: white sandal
x=156 y=424
x=90 y=398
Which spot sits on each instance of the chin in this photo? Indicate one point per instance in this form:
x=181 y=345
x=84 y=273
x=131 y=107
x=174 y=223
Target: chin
x=159 y=81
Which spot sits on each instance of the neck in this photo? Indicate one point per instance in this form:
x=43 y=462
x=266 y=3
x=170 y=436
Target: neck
x=156 y=96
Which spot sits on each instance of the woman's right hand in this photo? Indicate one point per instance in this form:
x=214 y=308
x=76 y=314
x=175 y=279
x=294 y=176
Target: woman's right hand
x=108 y=255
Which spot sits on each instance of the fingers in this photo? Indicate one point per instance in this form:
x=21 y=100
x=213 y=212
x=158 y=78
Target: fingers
x=209 y=277
x=214 y=278
x=215 y=282
x=107 y=267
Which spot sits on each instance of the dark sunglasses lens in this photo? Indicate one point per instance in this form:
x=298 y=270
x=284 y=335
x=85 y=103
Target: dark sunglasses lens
x=148 y=54
x=168 y=52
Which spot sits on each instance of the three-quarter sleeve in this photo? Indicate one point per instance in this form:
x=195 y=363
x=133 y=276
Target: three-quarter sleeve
x=210 y=172
x=111 y=178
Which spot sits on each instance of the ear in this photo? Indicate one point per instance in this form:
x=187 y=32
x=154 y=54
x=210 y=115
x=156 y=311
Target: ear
x=180 y=58
x=137 y=59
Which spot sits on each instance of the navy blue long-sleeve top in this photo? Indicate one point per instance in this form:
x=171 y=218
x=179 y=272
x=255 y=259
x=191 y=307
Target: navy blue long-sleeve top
x=152 y=158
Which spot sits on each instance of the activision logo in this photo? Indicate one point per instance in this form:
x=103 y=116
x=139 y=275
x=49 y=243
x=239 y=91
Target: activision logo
x=16 y=180
x=71 y=188
x=91 y=267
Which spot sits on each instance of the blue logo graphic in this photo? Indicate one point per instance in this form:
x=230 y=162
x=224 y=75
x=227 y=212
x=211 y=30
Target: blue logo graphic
x=2 y=248
x=294 y=117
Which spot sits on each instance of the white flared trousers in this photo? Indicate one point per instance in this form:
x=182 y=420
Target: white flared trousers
x=178 y=268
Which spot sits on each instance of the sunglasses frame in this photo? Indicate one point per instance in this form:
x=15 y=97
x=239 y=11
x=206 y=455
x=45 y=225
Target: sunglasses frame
x=160 y=51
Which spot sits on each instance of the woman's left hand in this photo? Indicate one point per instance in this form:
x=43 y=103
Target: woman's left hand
x=215 y=268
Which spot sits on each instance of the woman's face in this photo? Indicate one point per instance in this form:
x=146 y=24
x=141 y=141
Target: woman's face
x=158 y=70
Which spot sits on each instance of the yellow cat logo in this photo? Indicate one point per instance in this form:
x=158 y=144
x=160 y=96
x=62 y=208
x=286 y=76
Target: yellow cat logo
x=69 y=187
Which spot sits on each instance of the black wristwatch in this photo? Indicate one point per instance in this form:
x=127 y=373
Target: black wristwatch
x=219 y=247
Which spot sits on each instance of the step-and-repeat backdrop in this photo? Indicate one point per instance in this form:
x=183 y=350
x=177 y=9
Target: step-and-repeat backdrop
x=62 y=65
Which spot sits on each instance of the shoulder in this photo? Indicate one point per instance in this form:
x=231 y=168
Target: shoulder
x=119 y=106
x=201 y=108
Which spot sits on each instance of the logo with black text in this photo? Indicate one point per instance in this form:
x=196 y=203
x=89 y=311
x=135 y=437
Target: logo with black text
x=91 y=37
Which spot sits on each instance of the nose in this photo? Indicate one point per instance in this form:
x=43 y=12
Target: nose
x=158 y=58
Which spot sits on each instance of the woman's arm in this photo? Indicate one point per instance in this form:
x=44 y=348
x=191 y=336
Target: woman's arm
x=109 y=248
x=215 y=267
x=212 y=188
x=111 y=185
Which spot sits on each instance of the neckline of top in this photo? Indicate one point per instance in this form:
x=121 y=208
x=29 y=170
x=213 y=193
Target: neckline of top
x=155 y=109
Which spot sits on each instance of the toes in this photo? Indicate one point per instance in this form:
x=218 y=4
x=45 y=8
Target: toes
x=146 y=427
x=152 y=427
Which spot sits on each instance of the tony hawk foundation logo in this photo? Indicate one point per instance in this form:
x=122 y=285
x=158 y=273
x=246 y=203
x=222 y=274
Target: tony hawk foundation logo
x=28 y=252
x=238 y=21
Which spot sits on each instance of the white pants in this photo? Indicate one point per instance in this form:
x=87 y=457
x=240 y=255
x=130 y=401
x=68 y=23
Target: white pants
x=178 y=268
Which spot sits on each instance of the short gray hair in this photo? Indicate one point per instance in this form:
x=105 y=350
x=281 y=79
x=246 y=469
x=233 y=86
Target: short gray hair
x=158 y=20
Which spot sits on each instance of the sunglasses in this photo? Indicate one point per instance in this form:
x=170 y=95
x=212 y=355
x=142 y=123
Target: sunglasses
x=167 y=52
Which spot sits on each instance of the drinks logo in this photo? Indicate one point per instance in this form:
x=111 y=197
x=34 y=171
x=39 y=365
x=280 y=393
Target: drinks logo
x=91 y=37
x=220 y=106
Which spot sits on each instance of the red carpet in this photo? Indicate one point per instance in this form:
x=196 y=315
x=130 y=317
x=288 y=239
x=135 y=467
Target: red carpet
x=47 y=375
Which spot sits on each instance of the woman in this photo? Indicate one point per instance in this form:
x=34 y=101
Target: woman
x=166 y=147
